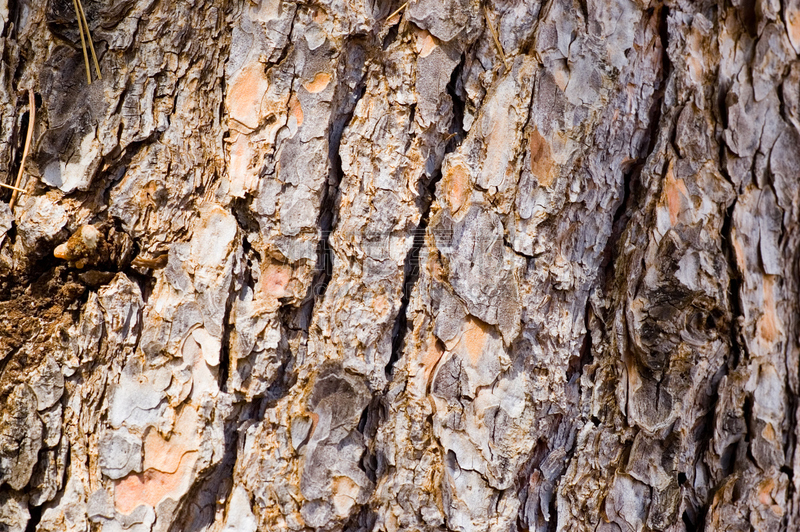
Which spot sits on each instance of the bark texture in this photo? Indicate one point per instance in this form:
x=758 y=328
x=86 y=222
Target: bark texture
x=354 y=265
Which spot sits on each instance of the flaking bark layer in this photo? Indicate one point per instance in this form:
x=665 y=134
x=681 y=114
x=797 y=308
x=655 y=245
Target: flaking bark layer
x=370 y=266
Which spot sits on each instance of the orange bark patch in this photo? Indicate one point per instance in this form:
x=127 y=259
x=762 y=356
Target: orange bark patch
x=768 y=323
x=150 y=487
x=541 y=159
x=426 y=46
x=473 y=339
x=431 y=359
x=319 y=83
x=245 y=94
x=240 y=159
x=296 y=110
x=457 y=186
x=314 y=420
x=165 y=455
x=424 y=42
x=275 y=278
x=561 y=77
x=765 y=491
x=167 y=465
x=381 y=305
x=741 y=262
x=674 y=190
x=240 y=156
x=768 y=432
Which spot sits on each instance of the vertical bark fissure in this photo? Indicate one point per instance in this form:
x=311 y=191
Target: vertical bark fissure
x=225 y=349
x=737 y=350
x=329 y=211
x=215 y=485
x=17 y=139
x=227 y=326
x=35 y=515
x=412 y=261
x=792 y=401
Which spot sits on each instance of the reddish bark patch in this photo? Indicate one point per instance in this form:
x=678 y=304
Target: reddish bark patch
x=245 y=94
x=457 y=186
x=542 y=165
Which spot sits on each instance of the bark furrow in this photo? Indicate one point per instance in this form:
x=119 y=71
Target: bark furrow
x=452 y=265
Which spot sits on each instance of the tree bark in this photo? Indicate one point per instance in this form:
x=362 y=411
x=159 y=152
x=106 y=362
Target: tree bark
x=364 y=266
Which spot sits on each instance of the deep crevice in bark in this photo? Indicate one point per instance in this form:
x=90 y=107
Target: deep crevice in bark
x=35 y=516
x=18 y=137
x=410 y=277
x=361 y=521
x=455 y=90
x=428 y=196
x=329 y=205
x=663 y=32
x=280 y=386
x=585 y=356
x=225 y=342
x=13 y=17
x=216 y=484
x=737 y=348
x=289 y=46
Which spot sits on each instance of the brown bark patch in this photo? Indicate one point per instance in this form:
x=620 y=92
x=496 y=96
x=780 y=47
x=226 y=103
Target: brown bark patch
x=542 y=165
x=768 y=323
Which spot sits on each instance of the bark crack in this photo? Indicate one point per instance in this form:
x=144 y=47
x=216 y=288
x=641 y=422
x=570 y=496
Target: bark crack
x=329 y=208
x=412 y=261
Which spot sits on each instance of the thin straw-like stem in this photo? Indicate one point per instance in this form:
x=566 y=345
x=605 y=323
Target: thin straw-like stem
x=495 y=37
x=12 y=187
x=398 y=10
x=91 y=42
x=83 y=43
x=28 y=137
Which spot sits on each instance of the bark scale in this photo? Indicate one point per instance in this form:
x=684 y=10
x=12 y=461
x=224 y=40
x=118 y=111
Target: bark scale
x=365 y=266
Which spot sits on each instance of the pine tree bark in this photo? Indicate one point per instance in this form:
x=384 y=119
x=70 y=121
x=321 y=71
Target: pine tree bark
x=372 y=266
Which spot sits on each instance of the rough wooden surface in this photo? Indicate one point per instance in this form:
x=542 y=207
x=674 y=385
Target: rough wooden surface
x=367 y=266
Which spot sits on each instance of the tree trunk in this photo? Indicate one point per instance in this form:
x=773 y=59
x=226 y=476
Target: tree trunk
x=364 y=266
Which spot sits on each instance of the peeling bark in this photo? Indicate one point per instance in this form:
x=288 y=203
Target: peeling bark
x=365 y=266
